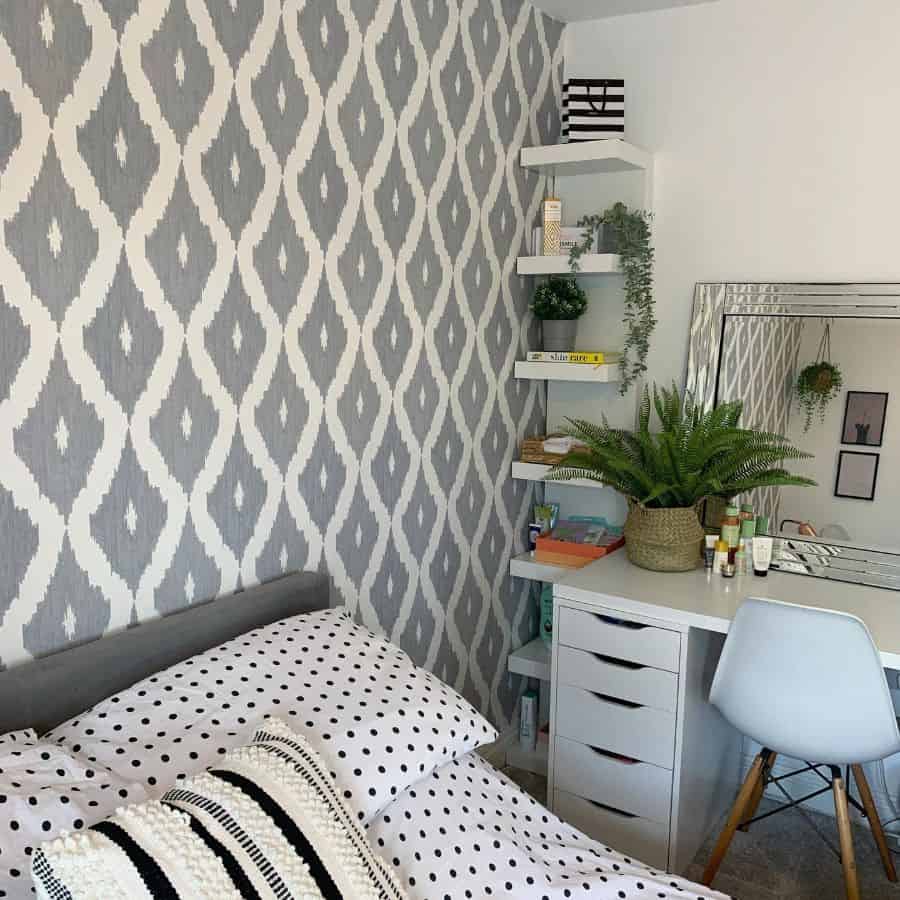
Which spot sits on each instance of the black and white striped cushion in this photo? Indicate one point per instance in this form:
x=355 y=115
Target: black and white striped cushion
x=266 y=822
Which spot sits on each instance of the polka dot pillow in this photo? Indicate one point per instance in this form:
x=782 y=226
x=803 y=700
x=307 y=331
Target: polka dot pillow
x=45 y=789
x=380 y=722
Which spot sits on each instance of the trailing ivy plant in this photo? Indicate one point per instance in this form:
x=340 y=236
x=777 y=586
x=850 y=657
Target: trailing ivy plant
x=631 y=240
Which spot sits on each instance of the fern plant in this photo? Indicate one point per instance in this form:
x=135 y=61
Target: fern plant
x=696 y=454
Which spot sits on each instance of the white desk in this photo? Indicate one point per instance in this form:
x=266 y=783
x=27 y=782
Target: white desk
x=638 y=756
x=707 y=601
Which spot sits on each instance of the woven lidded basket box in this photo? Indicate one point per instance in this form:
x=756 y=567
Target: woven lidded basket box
x=533 y=452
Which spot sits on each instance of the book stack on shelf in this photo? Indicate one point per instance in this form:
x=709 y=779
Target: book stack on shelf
x=575 y=357
x=575 y=542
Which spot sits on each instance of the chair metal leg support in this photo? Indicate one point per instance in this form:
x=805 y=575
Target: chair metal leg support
x=735 y=817
x=842 y=811
x=755 y=799
x=862 y=784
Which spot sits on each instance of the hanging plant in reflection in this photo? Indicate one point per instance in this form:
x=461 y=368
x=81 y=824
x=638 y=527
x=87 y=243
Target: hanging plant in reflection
x=818 y=383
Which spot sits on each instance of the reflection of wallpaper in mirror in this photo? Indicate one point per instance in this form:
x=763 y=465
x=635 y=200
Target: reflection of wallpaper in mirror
x=866 y=352
x=759 y=362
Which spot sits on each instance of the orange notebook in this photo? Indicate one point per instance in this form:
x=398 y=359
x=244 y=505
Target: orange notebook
x=561 y=559
x=570 y=548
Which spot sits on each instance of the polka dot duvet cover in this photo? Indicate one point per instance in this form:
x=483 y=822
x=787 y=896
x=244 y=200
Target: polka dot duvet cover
x=467 y=831
x=398 y=742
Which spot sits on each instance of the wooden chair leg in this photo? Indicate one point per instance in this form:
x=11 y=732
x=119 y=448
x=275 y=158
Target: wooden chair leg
x=865 y=794
x=753 y=804
x=735 y=817
x=848 y=861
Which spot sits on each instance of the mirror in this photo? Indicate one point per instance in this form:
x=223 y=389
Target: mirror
x=752 y=342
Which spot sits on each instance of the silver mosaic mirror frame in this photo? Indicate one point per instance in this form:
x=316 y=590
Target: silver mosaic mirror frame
x=713 y=301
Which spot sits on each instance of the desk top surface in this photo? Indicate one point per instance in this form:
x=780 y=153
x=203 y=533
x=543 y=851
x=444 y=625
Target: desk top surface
x=704 y=600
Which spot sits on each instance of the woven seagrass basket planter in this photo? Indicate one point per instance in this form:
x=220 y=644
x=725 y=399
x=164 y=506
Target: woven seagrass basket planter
x=663 y=540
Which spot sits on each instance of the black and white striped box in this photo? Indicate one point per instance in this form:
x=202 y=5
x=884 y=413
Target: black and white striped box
x=593 y=109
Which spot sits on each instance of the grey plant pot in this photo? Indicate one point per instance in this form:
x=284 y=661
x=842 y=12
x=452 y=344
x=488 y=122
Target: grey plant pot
x=559 y=334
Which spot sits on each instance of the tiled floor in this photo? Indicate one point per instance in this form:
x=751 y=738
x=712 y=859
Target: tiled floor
x=779 y=858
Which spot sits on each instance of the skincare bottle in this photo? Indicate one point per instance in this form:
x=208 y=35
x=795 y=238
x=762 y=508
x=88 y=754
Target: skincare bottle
x=709 y=551
x=748 y=530
x=762 y=555
x=731 y=527
x=721 y=557
x=551 y=220
x=740 y=562
x=528 y=720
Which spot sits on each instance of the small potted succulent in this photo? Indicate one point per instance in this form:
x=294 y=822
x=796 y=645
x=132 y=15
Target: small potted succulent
x=559 y=303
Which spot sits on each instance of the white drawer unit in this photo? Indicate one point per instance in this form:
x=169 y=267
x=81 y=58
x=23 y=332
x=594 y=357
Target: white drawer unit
x=620 y=639
x=634 y=787
x=618 y=678
x=623 y=767
x=641 y=732
x=643 y=839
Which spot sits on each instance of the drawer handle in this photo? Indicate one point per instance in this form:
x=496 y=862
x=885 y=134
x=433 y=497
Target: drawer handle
x=613 y=810
x=616 y=757
x=628 y=704
x=620 y=623
x=619 y=663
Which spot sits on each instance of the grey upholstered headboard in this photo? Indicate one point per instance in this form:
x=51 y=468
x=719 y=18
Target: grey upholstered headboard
x=48 y=691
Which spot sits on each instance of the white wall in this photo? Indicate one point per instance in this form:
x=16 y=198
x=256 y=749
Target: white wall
x=775 y=131
x=866 y=351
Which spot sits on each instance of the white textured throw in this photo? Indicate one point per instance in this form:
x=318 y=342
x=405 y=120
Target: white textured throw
x=266 y=822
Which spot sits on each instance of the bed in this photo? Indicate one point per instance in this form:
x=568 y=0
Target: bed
x=166 y=699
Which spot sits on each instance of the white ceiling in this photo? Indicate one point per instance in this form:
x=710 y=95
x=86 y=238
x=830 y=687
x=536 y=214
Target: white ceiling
x=581 y=10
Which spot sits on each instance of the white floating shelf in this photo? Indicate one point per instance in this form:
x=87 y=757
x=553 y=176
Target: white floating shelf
x=589 y=264
x=525 y=566
x=587 y=158
x=534 y=761
x=551 y=371
x=536 y=472
x=532 y=660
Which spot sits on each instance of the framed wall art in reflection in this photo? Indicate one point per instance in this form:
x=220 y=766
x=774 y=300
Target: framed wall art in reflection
x=856 y=475
x=864 y=418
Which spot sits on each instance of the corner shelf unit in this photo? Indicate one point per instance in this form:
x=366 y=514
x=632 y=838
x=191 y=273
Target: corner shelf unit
x=526 y=566
x=585 y=372
x=535 y=761
x=586 y=158
x=525 y=471
x=589 y=264
x=531 y=660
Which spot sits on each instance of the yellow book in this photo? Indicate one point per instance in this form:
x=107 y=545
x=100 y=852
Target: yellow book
x=590 y=357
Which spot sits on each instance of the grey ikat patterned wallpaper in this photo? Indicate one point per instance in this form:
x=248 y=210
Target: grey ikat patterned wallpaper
x=259 y=312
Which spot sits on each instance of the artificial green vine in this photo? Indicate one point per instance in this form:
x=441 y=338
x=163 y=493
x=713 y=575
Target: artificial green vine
x=631 y=234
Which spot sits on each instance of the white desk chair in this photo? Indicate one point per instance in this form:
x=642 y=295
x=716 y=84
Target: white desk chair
x=807 y=683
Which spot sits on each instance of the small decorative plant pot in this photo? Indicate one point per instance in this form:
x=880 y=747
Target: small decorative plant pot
x=559 y=334
x=663 y=540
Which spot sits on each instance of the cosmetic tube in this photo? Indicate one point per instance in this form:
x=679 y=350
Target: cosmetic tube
x=709 y=551
x=762 y=555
